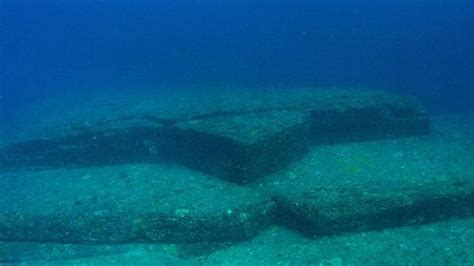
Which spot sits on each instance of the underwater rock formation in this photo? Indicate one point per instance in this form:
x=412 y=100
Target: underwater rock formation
x=148 y=169
x=124 y=203
x=374 y=185
x=237 y=136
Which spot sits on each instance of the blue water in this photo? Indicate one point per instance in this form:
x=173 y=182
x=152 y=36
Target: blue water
x=423 y=48
x=151 y=169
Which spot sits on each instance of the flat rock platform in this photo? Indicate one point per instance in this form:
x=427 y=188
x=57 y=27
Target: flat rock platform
x=236 y=135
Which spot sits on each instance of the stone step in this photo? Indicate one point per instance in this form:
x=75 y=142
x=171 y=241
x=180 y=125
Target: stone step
x=237 y=135
x=378 y=184
x=445 y=243
x=332 y=190
x=124 y=203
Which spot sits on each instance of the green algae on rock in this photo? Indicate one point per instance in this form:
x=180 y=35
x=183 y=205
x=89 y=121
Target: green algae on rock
x=378 y=184
x=123 y=203
x=237 y=135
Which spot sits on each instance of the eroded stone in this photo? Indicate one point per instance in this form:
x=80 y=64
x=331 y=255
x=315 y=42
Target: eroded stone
x=123 y=203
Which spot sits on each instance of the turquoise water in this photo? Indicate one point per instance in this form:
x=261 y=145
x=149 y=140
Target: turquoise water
x=236 y=133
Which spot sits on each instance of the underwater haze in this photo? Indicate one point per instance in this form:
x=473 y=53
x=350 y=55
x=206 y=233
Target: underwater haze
x=420 y=47
x=237 y=132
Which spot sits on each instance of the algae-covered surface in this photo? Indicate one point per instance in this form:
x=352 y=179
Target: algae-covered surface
x=313 y=177
x=236 y=135
x=125 y=203
x=445 y=243
x=376 y=184
x=92 y=108
x=69 y=112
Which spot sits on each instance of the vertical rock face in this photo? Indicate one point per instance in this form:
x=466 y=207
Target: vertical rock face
x=237 y=136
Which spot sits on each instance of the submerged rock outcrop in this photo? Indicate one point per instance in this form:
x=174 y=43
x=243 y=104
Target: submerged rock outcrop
x=238 y=136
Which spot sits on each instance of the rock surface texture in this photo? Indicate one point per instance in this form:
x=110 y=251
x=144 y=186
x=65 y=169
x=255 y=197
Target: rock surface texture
x=188 y=176
x=238 y=136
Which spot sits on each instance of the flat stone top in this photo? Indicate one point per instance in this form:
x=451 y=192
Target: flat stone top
x=138 y=189
x=64 y=114
x=386 y=173
x=248 y=128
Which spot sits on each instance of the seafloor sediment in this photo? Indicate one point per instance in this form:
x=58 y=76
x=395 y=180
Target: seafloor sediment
x=381 y=180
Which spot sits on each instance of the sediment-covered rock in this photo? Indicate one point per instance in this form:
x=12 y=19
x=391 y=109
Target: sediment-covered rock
x=237 y=135
x=448 y=242
x=377 y=184
x=123 y=203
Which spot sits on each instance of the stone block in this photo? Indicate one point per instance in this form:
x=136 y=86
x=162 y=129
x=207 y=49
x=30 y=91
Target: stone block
x=237 y=135
x=125 y=203
x=373 y=185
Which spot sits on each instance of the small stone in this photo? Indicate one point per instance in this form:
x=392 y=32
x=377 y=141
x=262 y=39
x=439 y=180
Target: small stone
x=182 y=212
x=336 y=261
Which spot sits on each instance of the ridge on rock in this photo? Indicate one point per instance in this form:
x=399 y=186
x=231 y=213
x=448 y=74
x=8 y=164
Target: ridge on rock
x=237 y=135
x=125 y=203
